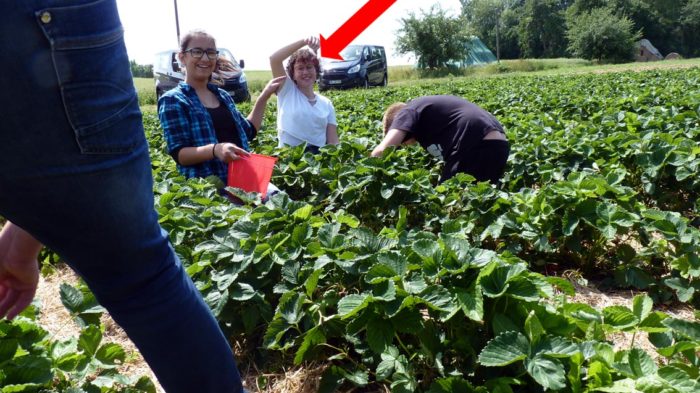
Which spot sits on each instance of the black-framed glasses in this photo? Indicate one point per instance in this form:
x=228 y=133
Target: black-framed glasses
x=197 y=53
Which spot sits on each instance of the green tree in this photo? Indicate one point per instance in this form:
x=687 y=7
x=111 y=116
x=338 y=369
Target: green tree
x=658 y=20
x=141 y=71
x=494 y=22
x=602 y=35
x=542 y=28
x=435 y=39
x=690 y=23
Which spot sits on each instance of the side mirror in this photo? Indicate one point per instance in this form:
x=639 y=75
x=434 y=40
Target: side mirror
x=241 y=63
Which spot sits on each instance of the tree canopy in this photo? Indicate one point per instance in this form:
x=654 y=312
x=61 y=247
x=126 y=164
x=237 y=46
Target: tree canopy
x=602 y=35
x=435 y=39
x=544 y=28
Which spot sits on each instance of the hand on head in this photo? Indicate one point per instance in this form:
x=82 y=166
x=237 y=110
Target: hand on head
x=313 y=42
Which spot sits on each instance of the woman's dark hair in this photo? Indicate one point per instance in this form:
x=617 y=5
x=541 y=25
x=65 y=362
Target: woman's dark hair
x=302 y=56
x=185 y=41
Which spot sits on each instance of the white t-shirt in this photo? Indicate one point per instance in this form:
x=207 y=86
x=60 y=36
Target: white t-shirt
x=298 y=121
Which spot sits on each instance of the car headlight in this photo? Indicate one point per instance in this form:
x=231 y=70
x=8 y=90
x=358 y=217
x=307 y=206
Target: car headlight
x=242 y=78
x=354 y=69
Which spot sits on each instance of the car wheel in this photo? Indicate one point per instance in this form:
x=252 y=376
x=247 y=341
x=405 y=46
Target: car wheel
x=385 y=81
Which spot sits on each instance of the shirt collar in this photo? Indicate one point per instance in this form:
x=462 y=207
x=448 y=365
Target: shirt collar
x=190 y=90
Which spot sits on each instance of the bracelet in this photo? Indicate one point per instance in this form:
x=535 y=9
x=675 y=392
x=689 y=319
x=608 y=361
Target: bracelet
x=213 y=151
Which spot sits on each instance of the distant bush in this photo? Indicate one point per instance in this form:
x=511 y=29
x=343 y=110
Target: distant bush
x=141 y=71
x=601 y=35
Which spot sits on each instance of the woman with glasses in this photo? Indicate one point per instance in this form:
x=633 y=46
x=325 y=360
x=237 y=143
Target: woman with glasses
x=203 y=129
x=303 y=116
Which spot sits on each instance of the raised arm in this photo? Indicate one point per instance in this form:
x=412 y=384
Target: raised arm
x=278 y=57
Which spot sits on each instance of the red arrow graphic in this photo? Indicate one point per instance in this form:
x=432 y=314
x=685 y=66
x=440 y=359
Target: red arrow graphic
x=357 y=23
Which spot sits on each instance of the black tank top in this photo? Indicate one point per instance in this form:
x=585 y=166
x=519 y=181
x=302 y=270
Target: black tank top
x=224 y=126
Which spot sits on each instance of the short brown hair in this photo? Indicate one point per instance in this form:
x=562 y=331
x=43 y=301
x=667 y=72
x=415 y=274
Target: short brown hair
x=390 y=114
x=304 y=56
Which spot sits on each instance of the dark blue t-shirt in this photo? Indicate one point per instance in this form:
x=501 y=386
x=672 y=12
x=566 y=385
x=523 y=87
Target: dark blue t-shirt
x=448 y=127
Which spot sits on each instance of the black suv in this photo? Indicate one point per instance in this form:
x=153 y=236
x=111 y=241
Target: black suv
x=168 y=73
x=364 y=65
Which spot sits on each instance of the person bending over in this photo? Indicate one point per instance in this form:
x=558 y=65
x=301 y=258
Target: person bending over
x=466 y=137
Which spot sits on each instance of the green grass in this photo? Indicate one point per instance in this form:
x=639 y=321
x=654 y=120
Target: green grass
x=257 y=80
x=144 y=84
x=146 y=90
x=407 y=75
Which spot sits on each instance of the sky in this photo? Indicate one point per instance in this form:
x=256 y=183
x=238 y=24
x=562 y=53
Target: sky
x=254 y=29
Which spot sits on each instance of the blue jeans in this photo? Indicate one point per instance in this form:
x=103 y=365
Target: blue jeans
x=75 y=173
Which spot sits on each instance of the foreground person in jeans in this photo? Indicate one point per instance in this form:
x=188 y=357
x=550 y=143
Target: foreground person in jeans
x=75 y=176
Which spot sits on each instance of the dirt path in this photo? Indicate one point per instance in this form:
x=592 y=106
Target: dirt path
x=55 y=319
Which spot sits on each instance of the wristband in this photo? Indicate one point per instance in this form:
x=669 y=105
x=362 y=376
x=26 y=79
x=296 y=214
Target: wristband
x=213 y=151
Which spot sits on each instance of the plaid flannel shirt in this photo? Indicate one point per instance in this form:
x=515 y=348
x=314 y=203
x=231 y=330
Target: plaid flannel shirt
x=186 y=123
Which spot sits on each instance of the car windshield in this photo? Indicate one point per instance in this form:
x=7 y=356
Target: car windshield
x=227 y=55
x=352 y=52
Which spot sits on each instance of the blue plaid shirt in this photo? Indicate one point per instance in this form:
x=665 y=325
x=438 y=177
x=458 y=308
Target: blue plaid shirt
x=186 y=123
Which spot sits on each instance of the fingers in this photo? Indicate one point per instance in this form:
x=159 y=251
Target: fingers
x=313 y=42
x=23 y=300
x=231 y=152
x=239 y=151
x=5 y=300
x=14 y=301
x=278 y=79
x=7 y=303
x=274 y=84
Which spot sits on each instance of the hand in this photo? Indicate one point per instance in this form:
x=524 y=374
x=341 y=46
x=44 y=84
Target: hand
x=272 y=86
x=377 y=152
x=313 y=42
x=228 y=152
x=19 y=270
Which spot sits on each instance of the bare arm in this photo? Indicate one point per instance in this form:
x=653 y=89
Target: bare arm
x=332 y=134
x=392 y=138
x=225 y=152
x=19 y=269
x=258 y=112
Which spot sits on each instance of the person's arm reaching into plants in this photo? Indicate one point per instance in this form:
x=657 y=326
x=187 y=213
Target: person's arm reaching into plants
x=393 y=137
x=19 y=269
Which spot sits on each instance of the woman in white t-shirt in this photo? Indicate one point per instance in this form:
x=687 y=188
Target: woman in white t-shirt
x=303 y=116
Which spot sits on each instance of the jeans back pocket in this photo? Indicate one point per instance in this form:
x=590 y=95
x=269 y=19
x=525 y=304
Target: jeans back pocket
x=92 y=67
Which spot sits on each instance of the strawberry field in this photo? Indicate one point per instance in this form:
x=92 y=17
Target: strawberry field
x=395 y=283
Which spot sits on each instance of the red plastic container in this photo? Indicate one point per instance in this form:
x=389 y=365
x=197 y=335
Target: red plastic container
x=252 y=173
